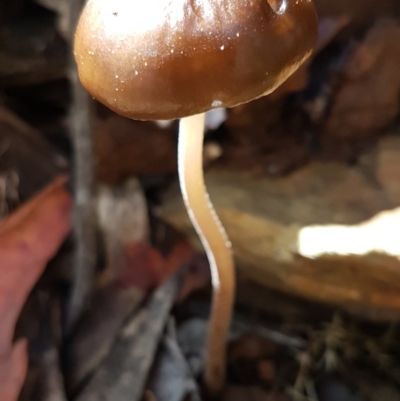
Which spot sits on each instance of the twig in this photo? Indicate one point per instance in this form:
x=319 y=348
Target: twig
x=84 y=217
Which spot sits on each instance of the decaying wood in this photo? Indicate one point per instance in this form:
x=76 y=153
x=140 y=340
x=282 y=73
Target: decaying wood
x=124 y=372
x=268 y=222
x=96 y=332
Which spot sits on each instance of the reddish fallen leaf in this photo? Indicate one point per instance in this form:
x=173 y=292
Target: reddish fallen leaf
x=29 y=238
x=146 y=268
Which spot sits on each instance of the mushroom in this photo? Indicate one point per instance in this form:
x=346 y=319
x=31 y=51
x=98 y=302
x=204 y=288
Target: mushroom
x=170 y=59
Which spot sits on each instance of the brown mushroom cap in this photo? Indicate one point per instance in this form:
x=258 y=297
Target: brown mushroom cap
x=166 y=59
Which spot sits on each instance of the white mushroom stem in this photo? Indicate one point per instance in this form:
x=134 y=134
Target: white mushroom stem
x=215 y=242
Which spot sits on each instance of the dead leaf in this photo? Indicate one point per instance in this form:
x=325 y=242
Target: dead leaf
x=147 y=268
x=29 y=238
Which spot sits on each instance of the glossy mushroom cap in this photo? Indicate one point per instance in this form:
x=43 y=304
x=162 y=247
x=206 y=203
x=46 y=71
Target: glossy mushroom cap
x=166 y=59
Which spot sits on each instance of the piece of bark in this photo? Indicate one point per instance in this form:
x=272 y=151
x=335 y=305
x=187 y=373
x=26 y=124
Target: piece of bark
x=368 y=100
x=96 y=332
x=124 y=372
x=270 y=223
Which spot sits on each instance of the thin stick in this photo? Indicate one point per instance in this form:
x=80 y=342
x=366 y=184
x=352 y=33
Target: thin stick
x=215 y=242
x=84 y=214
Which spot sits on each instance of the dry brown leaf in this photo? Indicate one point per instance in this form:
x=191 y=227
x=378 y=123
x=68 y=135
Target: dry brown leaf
x=29 y=238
